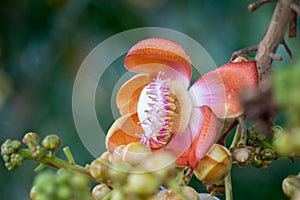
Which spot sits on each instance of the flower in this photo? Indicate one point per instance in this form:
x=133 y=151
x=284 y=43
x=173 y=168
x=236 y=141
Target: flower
x=160 y=111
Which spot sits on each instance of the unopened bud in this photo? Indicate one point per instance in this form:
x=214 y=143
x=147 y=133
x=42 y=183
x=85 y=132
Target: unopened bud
x=31 y=139
x=51 y=142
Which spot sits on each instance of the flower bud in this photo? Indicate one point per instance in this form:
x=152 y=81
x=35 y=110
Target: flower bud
x=106 y=155
x=99 y=169
x=161 y=164
x=215 y=165
x=116 y=156
x=33 y=194
x=118 y=195
x=268 y=154
x=257 y=160
x=39 y=153
x=190 y=192
x=31 y=139
x=142 y=184
x=9 y=147
x=133 y=153
x=242 y=155
x=100 y=191
x=51 y=142
x=118 y=173
x=291 y=185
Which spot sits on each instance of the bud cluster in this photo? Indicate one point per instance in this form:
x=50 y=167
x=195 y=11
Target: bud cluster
x=13 y=154
x=257 y=151
x=132 y=172
x=62 y=185
x=9 y=152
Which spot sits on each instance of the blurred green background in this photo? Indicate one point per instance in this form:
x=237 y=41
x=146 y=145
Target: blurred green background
x=43 y=42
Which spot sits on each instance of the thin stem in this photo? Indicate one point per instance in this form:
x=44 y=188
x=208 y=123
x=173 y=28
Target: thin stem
x=236 y=137
x=55 y=162
x=188 y=176
x=252 y=7
x=242 y=130
x=69 y=155
x=245 y=50
x=224 y=134
x=228 y=187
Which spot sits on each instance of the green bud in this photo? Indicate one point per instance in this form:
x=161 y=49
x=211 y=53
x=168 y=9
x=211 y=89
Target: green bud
x=118 y=195
x=261 y=137
x=257 y=161
x=39 y=153
x=268 y=154
x=6 y=158
x=16 y=160
x=64 y=192
x=79 y=181
x=33 y=193
x=51 y=142
x=16 y=144
x=118 y=173
x=31 y=139
x=291 y=185
x=6 y=148
x=99 y=169
x=10 y=166
x=100 y=191
x=251 y=134
x=161 y=164
x=142 y=184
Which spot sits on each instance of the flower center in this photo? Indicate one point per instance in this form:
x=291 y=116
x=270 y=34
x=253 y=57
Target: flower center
x=156 y=108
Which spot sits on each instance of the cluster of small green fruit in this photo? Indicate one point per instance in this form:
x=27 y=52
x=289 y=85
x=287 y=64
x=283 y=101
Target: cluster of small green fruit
x=133 y=172
x=63 y=185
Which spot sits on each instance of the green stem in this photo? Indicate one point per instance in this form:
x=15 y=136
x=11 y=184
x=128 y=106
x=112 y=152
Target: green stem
x=55 y=162
x=188 y=176
x=69 y=155
x=236 y=137
x=228 y=187
x=243 y=131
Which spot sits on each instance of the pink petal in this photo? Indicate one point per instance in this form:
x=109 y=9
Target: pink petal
x=220 y=89
x=155 y=55
x=197 y=139
x=204 y=126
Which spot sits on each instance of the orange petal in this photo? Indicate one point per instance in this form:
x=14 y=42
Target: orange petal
x=125 y=130
x=220 y=88
x=129 y=93
x=205 y=137
x=156 y=55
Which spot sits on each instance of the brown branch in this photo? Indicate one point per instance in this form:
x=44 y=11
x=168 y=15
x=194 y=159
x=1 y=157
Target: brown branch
x=294 y=6
x=292 y=31
x=245 y=50
x=252 y=7
x=288 y=50
x=275 y=56
x=273 y=37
